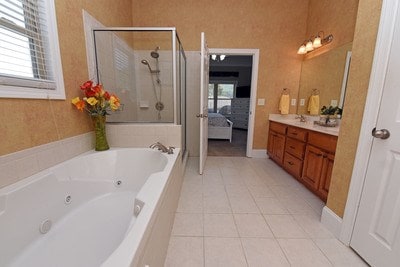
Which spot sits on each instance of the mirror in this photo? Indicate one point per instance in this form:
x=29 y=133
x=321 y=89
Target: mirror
x=327 y=74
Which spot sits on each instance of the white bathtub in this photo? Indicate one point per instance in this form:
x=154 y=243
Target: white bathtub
x=89 y=201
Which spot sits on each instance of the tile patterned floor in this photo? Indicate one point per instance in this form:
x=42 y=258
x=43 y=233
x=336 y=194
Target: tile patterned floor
x=249 y=212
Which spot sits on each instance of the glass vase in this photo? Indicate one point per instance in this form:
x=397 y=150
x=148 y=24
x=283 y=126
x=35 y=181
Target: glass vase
x=99 y=123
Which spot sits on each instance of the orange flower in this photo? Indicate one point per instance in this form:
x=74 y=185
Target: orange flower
x=114 y=102
x=79 y=104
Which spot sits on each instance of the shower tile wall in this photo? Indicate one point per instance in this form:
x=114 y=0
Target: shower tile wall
x=145 y=92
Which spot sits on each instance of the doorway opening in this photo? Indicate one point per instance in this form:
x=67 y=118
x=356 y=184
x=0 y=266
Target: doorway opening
x=229 y=98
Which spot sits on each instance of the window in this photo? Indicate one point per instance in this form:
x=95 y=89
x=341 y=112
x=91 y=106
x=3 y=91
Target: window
x=30 y=65
x=220 y=95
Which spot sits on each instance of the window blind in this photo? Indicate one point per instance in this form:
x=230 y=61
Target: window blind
x=24 y=45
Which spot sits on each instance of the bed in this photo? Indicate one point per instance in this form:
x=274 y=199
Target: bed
x=219 y=127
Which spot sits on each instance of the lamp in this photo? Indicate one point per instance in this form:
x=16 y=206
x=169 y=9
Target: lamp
x=311 y=45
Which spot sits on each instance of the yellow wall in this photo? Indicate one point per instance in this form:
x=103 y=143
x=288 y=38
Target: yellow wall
x=333 y=17
x=360 y=70
x=28 y=123
x=277 y=28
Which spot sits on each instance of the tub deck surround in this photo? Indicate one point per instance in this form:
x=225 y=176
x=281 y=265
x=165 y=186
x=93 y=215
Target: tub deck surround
x=290 y=119
x=88 y=199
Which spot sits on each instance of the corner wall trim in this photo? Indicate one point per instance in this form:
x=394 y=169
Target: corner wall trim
x=331 y=221
x=259 y=153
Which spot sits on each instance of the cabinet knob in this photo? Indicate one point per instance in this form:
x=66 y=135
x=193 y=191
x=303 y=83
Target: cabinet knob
x=290 y=163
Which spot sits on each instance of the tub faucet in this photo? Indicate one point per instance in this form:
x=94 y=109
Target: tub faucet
x=164 y=149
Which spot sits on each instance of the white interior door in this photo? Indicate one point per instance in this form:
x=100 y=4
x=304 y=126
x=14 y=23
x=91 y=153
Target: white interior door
x=376 y=234
x=203 y=115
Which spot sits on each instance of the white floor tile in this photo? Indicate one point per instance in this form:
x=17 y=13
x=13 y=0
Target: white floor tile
x=303 y=252
x=188 y=224
x=284 y=226
x=263 y=252
x=234 y=179
x=296 y=205
x=190 y=203
x=219 y=225
x=250 y=212
x=270 y=205
x=252 y=225
x=212 y=179
x=223 y=252
x=216 y=204
x=185 y=252
x=189 y=189
x=243 y=205
x=282 y=191
x=312 y=225
x=258 y=191
x=210 y=190
x=237 y=191
x=339 y=254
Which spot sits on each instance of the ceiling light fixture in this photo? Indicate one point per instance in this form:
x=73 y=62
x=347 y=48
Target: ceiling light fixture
x=218 y=57
x=312 y=44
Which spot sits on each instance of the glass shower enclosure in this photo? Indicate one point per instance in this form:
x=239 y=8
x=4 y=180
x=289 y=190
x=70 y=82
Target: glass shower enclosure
x=146 y=68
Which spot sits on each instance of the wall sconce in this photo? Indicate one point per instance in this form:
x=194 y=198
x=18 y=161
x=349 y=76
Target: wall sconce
x=310 y=44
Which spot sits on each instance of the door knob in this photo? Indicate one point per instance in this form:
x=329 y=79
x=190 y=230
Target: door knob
x=382 y=134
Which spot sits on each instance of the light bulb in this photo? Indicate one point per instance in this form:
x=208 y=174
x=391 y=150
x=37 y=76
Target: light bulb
x=302 y=50
x=317 y=42
x=309 y=46
x=213 y=57
x=222 y=57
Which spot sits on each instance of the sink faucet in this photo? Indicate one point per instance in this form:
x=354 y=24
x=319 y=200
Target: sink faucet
x=162 y=148
x=301 y=117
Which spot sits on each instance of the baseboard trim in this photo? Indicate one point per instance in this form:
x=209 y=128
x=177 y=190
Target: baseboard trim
x=331 y=221
x=259 y=153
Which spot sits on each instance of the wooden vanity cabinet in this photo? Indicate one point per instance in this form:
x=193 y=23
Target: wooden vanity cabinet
x=318 y=163
x=276 y=141
x=294 y=151
x=305 y=154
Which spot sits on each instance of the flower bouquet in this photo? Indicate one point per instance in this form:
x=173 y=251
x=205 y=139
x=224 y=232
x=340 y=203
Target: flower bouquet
x=97 y=102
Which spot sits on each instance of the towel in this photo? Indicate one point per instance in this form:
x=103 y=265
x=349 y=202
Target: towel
x=313 y=105
x=284 y=104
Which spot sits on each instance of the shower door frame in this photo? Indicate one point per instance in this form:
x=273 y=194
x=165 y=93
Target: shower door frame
x=174 y=35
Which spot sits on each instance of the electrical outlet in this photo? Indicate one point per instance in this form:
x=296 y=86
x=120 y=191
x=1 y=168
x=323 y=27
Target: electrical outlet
x=293 y=101
x=334 y=103
x=302 y=101
x=261 y=101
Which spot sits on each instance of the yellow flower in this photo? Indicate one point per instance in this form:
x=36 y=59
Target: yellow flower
x=92 y=101
x=114 y=102
x=75 y=100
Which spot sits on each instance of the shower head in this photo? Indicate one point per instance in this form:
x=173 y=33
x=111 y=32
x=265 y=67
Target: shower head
x=155 y=54
x=145 y=62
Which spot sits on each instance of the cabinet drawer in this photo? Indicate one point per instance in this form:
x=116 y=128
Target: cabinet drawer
x=295 y=147
x=324 y=141
x=293 y=165
x=297 y=133
x=277 y=127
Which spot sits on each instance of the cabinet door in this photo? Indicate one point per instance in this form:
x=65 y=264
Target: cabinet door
x=276 y=146
x=326 y=174
x=312 y=169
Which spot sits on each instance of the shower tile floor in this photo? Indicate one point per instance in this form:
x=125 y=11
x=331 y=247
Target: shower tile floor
x=249 y=212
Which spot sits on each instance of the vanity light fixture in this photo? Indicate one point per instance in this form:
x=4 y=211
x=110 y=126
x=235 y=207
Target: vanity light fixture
x=311 y=45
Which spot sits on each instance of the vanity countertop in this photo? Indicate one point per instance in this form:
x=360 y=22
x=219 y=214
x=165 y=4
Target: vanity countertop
x=290 y=119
